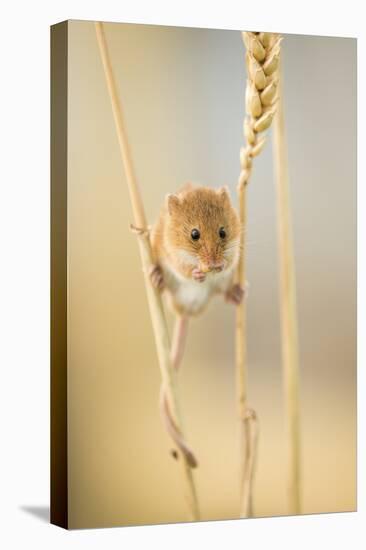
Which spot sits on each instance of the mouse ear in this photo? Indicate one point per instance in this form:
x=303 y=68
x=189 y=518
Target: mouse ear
x=224 y=193
x=173 y=203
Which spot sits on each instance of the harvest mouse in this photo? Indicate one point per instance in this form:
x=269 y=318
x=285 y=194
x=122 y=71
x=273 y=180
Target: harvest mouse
x=196 y=245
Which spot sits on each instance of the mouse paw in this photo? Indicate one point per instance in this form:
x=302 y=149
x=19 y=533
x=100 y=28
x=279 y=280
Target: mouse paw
x=156 y=277
x=198 y=275
x=235 y=295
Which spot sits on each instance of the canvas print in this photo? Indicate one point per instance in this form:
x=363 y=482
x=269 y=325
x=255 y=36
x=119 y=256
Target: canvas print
x=203 y=274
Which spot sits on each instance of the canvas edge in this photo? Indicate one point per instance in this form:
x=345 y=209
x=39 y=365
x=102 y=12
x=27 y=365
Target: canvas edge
x=59 y=293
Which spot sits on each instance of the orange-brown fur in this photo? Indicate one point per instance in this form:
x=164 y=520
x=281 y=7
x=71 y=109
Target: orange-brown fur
x=180 y=258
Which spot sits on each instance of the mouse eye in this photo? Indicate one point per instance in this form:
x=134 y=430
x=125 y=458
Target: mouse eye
x=222 y=233
x=195 y=234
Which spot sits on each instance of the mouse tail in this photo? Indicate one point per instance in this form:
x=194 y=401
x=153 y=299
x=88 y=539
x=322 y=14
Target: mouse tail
x=175 y=433
x=177 y=351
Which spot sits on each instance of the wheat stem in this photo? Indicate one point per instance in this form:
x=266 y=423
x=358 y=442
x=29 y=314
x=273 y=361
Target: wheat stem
x=290 y=354
x=158 y=319
x=262 y=53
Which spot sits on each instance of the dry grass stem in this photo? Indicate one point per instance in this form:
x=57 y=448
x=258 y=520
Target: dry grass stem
x=262 y=54
x=158 y=319
x=249 y=444
x=290 y=353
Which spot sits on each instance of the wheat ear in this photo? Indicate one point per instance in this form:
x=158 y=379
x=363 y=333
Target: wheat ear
x=262 y=57
x=158 y=319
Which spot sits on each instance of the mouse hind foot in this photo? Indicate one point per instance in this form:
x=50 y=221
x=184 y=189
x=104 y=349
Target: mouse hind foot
x=235 y=294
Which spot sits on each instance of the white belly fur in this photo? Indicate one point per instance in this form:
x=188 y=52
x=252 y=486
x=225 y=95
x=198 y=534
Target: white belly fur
x=192 y=296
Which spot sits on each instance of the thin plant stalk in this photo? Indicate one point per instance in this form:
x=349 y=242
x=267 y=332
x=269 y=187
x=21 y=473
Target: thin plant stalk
x=157 y=314
x=290 y=353
x=248 y=419
x=262 y=54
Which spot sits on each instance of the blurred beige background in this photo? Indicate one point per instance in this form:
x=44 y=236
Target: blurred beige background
x=183 y=94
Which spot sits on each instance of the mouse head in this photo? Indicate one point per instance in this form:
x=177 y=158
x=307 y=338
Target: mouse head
x=203 y=229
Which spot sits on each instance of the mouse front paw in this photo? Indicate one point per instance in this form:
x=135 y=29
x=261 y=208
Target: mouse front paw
x=156 y=277
x=235 y=295
x=198 y=275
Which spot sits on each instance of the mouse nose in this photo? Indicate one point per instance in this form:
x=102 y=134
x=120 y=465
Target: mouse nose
x=216 y=266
